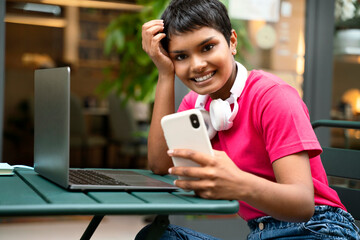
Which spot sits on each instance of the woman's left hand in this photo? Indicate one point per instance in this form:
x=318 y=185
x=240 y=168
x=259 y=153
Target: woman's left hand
x=217 y=178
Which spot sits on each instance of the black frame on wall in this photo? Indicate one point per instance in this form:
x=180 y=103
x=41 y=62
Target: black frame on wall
x=318 y=72
x=2 y=71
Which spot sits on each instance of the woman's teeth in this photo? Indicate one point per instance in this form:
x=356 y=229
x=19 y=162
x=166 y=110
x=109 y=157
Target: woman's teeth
x=203 y=78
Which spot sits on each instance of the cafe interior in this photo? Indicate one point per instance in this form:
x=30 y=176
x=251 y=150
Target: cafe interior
x=312 y=45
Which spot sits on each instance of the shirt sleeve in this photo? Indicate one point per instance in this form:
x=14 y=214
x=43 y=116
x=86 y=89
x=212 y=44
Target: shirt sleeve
x=285 y=123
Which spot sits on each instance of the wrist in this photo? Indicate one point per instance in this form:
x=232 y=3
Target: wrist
x=248 y=187
x=166 y=77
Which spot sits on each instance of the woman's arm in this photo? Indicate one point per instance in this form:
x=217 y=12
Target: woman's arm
x=291 y=198
x=158 y=160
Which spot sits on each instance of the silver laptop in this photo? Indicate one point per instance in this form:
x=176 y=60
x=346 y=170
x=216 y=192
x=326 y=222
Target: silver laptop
x=52 y=148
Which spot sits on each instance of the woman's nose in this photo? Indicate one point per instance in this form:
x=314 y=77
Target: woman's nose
x=198 y=64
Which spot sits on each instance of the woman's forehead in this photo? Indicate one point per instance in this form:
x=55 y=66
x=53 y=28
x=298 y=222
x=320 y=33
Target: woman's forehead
x=194 y=37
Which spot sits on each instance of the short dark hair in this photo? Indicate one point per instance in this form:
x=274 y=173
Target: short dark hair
x=187 y=15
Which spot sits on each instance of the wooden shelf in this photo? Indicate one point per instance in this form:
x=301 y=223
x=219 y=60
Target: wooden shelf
x=97 y=63
x=347 y=58
x=92 y=28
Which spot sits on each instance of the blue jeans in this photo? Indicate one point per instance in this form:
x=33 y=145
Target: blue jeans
x=174 y=232
x=326 y=223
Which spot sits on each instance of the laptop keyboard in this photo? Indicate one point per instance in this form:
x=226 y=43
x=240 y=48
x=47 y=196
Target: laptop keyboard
x=89 y=177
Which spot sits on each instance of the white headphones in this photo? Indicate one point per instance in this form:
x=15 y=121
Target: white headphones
x=221 y=117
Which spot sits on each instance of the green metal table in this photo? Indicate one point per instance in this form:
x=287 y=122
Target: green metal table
x=27 y=194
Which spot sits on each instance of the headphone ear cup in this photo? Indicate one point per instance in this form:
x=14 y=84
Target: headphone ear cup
x=210 y=129
x=220 y=113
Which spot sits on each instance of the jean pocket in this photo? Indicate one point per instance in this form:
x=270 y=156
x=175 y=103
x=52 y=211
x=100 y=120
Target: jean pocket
x=317 y=229
x=330 y=230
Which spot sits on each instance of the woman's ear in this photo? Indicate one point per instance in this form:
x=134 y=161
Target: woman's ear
x=233 y=41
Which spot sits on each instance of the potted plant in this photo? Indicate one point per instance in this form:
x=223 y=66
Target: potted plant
x=347 y=27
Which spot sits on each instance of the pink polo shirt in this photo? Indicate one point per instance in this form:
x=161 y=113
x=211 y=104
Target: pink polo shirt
x=272 y=122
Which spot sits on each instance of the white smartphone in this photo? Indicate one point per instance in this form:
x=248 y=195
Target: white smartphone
x=186 y=130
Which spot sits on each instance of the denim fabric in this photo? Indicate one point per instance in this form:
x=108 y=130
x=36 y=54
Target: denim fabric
x=174 y=232
x=327 y=223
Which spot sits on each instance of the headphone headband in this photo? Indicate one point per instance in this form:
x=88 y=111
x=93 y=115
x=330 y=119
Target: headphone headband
x=201 y=101
x=220 y=117
x=240 y=80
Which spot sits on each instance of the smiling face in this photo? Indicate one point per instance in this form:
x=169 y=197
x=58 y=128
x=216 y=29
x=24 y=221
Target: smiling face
x=204 y=61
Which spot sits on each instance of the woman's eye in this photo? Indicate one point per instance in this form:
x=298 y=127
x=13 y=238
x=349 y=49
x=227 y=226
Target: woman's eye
x=180 y=57
x=208 y=47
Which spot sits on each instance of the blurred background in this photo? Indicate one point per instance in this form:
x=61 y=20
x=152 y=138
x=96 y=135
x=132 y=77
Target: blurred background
x=312 y=45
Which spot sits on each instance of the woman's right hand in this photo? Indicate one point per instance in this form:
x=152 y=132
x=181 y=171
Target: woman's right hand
x=151 y=37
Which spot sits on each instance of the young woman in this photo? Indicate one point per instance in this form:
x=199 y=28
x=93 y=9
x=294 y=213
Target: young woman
x=266 y=153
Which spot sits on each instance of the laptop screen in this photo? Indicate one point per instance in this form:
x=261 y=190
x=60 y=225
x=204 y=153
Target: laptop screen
x=52 y=120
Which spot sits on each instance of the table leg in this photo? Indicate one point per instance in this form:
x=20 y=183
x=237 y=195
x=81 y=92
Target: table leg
x=91 y=227
x=158 y=227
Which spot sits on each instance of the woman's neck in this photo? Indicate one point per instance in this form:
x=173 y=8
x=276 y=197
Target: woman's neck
x=224 y=92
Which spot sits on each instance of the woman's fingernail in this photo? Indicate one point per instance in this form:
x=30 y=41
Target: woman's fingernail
x=170 y=170
x=170 y=152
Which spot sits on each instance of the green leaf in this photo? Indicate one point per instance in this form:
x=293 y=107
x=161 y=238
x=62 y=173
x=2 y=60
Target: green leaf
x=108 y=44
x=119 y=40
